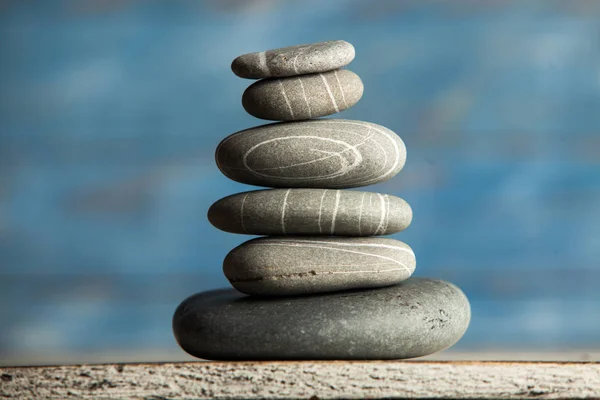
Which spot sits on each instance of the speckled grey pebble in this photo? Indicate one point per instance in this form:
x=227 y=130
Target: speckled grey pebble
x=303 y=97
x=322 y=153
x=414 y=318
x=311 y=212
x=294 y=60
x=283 y=266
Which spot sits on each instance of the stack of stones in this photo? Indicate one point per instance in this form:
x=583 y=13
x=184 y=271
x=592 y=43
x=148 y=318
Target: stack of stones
x=323 y=284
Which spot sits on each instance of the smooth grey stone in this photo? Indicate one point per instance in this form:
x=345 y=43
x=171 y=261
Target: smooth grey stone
x=283 y=266
x=415 y=318
x=303 y=97
x=294 y=60
x=311 y=212
x=323 y=153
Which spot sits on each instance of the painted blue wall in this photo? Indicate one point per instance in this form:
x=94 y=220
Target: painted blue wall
x=110 y=113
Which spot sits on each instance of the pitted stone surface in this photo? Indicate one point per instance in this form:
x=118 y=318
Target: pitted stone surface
x=322 y=153
x=303 y=97
x=294 y=60
x=278 y=266
x=311 y=212
x=414 y=318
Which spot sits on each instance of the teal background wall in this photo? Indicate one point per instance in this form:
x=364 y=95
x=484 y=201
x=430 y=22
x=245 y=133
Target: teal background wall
x=110 y=113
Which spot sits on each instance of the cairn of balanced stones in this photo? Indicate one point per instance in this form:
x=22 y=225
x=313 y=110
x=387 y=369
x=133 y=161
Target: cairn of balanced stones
x=323 y=283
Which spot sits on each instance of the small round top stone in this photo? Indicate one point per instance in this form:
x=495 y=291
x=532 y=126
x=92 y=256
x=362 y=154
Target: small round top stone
x=294 y=60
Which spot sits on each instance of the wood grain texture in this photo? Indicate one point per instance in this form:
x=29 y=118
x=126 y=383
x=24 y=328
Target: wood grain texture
x=322 y=380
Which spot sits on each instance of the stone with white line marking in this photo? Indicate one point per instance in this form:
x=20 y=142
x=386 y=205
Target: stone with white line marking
x=322 y=153
x=302 y=97
x=415 y=318
x=277 y=266
x=294 y=60
x=323 y=284
x=311 y=212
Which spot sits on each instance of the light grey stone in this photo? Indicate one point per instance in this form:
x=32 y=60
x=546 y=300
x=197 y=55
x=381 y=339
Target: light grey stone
x=322 y=153
x=283 y=266
x=303 y=97
x=414 y=318
x=294 y=60
x=311 y=212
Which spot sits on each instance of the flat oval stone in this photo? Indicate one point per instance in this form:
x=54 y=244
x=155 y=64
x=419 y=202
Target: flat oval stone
x=323 y=153
x=310 y=212
x=294 y=60
x=303 y=97
x=415 y=318
x=282 y=266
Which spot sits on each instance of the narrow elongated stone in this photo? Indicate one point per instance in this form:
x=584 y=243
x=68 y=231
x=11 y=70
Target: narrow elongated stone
x=276 y=266
x=294 y=60
x=414 y=318
x=311 y=212
x=323 y=153
x=303 y=97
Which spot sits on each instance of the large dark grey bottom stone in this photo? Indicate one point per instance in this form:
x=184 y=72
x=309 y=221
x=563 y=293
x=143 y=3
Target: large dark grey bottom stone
x=414 y=318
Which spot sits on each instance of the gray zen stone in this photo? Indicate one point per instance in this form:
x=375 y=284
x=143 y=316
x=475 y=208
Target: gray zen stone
x=414 y=318
x=303 y=97
x=311 y=212
x=325 y=153
x=278 y=266
x=294 y=60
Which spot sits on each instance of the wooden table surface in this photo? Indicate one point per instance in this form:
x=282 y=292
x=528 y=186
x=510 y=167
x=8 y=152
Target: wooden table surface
x=306 y=379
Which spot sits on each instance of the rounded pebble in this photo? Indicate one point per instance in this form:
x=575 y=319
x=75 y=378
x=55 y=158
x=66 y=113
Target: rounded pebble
x=311 y=212
x=415 y=318
x=278 y=266
x=323 y=153
x=294 y=60
x=303 y=97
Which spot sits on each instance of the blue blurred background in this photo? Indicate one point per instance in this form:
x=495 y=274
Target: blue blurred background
x=110 y=112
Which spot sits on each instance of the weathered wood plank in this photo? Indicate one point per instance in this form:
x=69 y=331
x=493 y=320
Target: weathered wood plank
x=308 y=379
